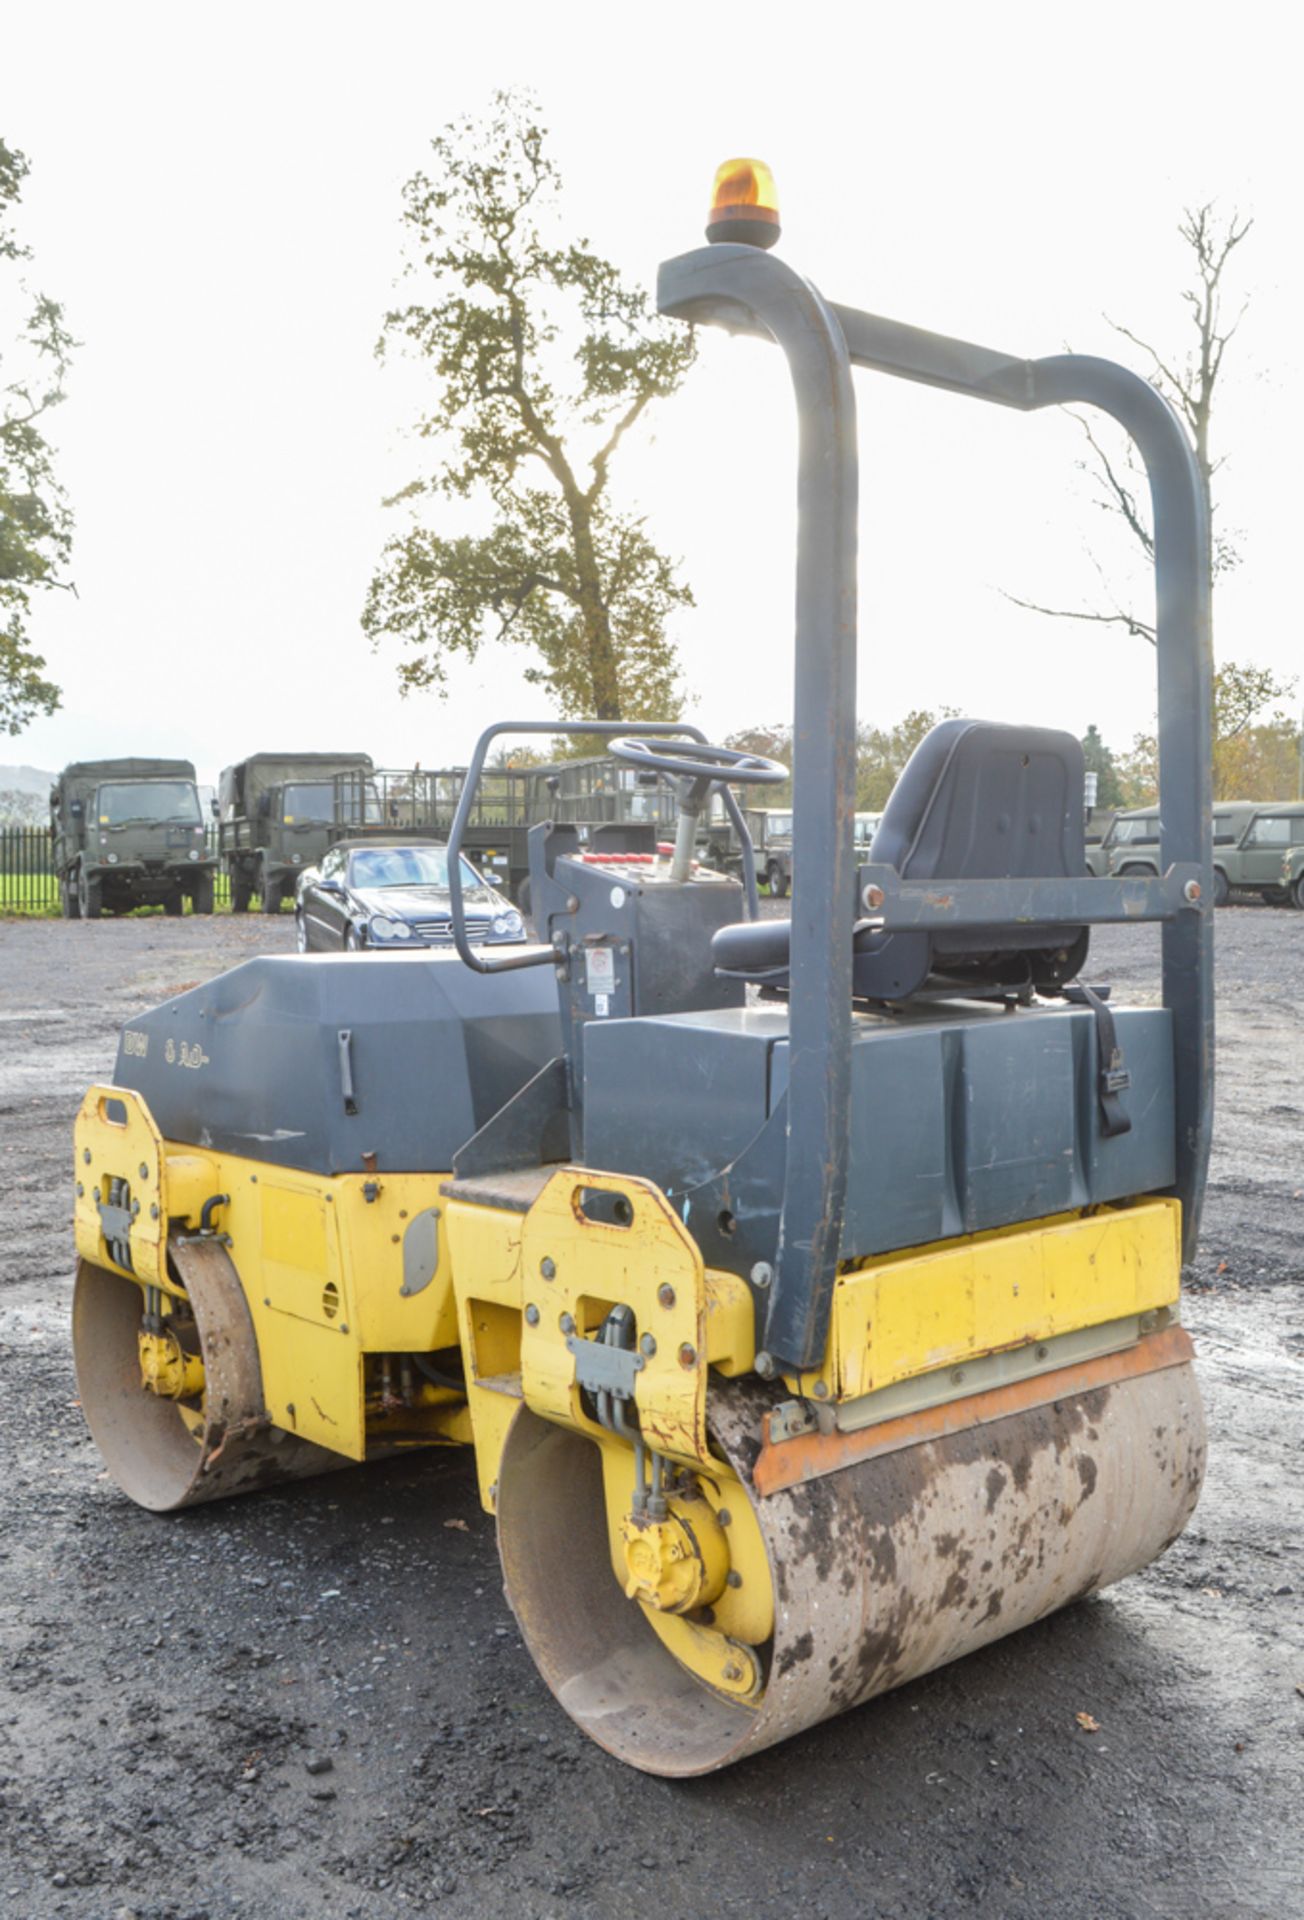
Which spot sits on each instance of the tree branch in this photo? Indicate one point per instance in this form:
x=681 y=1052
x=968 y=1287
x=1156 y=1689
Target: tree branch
x=1137 y=628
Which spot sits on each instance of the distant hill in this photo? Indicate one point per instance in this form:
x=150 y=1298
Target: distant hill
x=26 y=780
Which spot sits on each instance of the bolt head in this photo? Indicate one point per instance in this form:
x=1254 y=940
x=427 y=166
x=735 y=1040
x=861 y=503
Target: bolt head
x=531 y=1316
x=1191 y=891
x=144 y=1171
x=687 y=1355
x=873 y=898
x=648 y=1344
x=80 y=1190
x=765 y=1365
x=86 y=1155
x=665 y=1295
x=762 y=1274
x=567 y=1323
x=821 y=1390
x=733 y=1578
x=548 y=1268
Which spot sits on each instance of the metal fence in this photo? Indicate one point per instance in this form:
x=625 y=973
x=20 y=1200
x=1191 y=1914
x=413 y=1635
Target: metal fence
x=29 y=883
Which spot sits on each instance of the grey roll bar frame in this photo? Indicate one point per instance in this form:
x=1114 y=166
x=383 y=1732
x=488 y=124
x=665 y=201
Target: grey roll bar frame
x=749 y=291
x=539 y=956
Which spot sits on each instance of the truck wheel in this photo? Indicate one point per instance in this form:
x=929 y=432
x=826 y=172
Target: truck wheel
x=1221 y=888
x=270 y=891
x=778 y=880
x=1297 y=894
x=69 y=905
x=201 y=900
x=175 y=903
x=90 y=899
x=241 y=893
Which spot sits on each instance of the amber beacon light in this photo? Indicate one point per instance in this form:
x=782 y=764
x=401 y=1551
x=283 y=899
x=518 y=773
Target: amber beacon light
x=744 y=204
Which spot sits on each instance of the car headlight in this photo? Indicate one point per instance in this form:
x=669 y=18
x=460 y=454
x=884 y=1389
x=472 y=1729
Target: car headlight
x=382 y=929
x=113 y=859
x=193 y=854
x=509 y=926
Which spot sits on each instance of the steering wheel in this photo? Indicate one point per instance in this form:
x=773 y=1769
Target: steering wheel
x=707 y=763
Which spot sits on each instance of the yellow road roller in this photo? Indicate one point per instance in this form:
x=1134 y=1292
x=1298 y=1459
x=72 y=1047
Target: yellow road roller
x=808 y=1290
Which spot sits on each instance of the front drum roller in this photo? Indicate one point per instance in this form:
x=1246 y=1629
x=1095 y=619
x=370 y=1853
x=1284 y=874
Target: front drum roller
x=164 y=1452
x=881 y=1570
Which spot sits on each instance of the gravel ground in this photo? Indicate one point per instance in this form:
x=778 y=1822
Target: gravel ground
x=315 y=1702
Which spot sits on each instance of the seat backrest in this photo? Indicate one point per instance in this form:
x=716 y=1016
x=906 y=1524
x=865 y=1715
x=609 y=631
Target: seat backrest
x=976 y=801
x=979 y=800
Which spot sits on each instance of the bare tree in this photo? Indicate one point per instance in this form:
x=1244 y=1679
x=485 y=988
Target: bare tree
x=1190 y=381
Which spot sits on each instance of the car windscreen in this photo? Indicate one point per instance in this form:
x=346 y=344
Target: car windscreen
x=148 y=802
x=405 y=867
x=309 y=800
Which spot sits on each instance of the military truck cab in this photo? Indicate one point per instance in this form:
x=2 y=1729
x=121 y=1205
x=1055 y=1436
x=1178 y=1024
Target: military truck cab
x=277 y=816
x=129 y=833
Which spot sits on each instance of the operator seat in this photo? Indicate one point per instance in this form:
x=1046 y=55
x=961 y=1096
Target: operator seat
x=977 y=800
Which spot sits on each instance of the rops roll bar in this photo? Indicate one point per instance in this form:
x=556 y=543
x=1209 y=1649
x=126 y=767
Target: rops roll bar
x=750 y=291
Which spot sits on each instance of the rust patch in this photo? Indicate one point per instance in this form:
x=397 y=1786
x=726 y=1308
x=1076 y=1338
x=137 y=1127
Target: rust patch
x=947 y=1544
x=995 y=1487
x=795 y=1655
x=952 y=1593
x=1086 y=1467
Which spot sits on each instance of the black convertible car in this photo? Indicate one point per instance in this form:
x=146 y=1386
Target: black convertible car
x=392 y=896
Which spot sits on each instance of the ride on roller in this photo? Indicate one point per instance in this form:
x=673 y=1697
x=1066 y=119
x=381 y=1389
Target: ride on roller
x=808 y=1292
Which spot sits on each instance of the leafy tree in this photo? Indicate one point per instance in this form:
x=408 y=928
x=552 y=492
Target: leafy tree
x=882 y=752
x=1250 y=729
x=1100 y=761
x=542 y=358
x=35 y=521
x=1255 y=741
x=18 y=808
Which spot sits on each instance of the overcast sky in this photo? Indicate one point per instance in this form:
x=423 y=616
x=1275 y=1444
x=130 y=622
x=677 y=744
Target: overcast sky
x=215 y=196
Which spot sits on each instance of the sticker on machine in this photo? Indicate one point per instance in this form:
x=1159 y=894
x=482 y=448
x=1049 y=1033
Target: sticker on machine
x=600 y=970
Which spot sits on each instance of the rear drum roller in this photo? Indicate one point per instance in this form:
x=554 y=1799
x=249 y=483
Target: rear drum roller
x=169 y=1452
x=881 y=1571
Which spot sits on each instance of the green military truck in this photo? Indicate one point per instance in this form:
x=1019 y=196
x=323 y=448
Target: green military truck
x=277 y=815
x=129 y=833
x=422 y=801
x=1132 y=847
